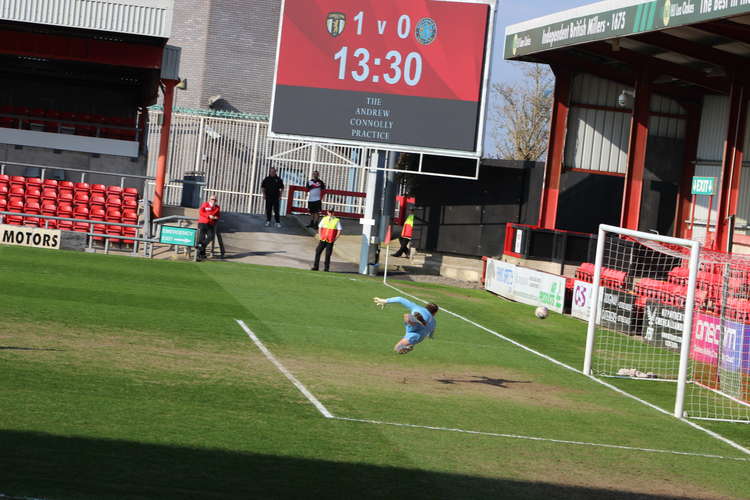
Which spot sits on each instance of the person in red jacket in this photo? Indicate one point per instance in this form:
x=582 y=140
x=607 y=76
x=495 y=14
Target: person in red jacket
x=208 y=216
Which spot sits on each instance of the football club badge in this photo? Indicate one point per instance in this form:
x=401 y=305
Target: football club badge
x=335 y=23
x=426 y=31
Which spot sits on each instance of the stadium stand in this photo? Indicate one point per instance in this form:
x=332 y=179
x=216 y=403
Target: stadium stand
x=19 y=194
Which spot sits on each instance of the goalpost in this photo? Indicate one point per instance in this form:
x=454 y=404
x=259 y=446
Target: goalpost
x=664 y=309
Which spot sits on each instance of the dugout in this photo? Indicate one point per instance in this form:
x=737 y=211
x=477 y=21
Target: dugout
x=78 y=77
x=648 y=94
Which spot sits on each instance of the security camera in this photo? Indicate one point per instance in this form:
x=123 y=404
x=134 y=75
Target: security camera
x=625 y=98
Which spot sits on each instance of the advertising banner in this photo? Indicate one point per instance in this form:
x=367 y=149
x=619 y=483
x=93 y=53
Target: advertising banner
x=605 y=20
x=704 y=346
x=712 y=342
x=499 y=277
x=663 y=325
x=526 y=285
x=29 y=236
x=619 y=312
x=382 y=72
x=581 y=307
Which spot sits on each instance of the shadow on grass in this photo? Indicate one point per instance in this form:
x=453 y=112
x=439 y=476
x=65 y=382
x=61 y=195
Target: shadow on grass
x=481 y=379
x=58 y=468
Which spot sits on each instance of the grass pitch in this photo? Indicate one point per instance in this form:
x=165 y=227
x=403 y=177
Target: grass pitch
x=128 y=378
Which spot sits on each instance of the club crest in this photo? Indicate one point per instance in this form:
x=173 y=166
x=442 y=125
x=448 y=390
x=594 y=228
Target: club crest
x=335 y=23
x=426 y=31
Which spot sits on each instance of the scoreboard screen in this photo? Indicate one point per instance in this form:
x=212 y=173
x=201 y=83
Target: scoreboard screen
x=382 y=73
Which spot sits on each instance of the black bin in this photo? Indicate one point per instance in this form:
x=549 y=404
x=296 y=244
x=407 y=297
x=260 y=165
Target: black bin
x=192 y=187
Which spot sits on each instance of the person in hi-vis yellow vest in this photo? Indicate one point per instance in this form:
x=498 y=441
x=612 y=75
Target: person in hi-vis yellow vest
x=405 y=238
x=329 y=230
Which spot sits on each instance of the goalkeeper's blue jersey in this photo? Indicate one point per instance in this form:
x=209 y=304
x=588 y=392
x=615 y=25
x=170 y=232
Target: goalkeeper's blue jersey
x=416 y=333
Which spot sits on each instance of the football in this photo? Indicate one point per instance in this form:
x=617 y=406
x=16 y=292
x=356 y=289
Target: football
x=541 y=312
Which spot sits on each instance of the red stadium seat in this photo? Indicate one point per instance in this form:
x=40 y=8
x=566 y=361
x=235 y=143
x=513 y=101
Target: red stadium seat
x=16 y=190
x=129 y=204
x=34 y=193
x=98 y=189
x=49 y=194
x=50 y=183
x=65 y=197
x=4 y=190
x=18 y=180
x=66 y=187
x=129 y=216
x=113 y=215
x=81 y=212
x=4 y=180
x=131 y=193
x=7 y=121
x=81 y=199
x=32 y=207
x=115 y=231
x=114 y=201
x=98 y=214
x=49 y=208
x=3 y=205
x=82 y=187
x=129 y=231
x=65 y=210
x=17 y=207
x=34 y=181
x=114 y=191
x=52 y=123
x=97 y=200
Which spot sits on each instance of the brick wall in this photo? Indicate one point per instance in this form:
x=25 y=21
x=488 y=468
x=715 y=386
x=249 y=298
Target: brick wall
x=228 y=49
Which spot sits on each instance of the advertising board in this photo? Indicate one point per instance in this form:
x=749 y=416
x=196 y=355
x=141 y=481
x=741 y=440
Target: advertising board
x=29 y=236
x=526 y=285
x=663 y=325
x=383 y=73
x=619 y=312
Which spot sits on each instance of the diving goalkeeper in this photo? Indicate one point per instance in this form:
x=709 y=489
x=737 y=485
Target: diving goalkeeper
x=419 y=322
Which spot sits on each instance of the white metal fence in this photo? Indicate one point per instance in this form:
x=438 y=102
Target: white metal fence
x=235 y=155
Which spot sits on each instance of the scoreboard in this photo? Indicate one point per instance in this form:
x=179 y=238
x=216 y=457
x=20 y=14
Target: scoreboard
x=407 y=75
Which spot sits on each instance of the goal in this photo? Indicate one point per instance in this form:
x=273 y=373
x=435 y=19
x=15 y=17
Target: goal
x=667 y=310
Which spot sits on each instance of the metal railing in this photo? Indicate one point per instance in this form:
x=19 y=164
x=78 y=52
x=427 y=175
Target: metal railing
x=83 y=173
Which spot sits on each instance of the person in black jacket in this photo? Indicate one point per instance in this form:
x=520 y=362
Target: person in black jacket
x=272 y=187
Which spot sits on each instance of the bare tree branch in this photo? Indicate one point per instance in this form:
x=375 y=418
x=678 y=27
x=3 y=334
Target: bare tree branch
x=520 y=114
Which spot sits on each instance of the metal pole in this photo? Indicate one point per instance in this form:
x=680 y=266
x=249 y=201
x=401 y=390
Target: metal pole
x=591 y=332
x=687 y=331
x=368 y=221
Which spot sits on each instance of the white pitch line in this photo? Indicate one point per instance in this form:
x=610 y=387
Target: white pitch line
x=598 y=381
x=309 y=395
x=546 y=440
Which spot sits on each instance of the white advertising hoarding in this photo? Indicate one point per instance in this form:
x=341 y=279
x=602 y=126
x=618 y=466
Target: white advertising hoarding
x=525 y=285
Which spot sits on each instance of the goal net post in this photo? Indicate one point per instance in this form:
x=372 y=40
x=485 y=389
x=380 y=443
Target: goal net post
x=664 y=309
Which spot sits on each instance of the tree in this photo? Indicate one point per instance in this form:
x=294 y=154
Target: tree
x=520 y=114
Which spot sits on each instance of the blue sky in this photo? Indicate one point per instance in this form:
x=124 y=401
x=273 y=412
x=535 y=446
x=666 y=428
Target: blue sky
x=512 y=12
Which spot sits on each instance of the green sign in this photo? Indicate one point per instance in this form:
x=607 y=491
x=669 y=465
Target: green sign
x=648 y=15
x=173 y=235
x=705 y=186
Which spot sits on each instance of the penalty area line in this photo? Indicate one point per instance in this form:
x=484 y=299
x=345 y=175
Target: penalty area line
x=695 y=426
x=545 y=440
x=309 y=395
x=327 y=414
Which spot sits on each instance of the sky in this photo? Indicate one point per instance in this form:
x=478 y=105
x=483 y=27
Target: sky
x=511 y=12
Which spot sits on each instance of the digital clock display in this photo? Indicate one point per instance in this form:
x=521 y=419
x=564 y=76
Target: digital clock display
x=382 y=72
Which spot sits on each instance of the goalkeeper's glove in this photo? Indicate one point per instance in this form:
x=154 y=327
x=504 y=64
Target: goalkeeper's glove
x=380 y=302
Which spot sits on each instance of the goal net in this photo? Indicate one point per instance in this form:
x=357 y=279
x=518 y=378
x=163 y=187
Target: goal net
x=667 y=310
